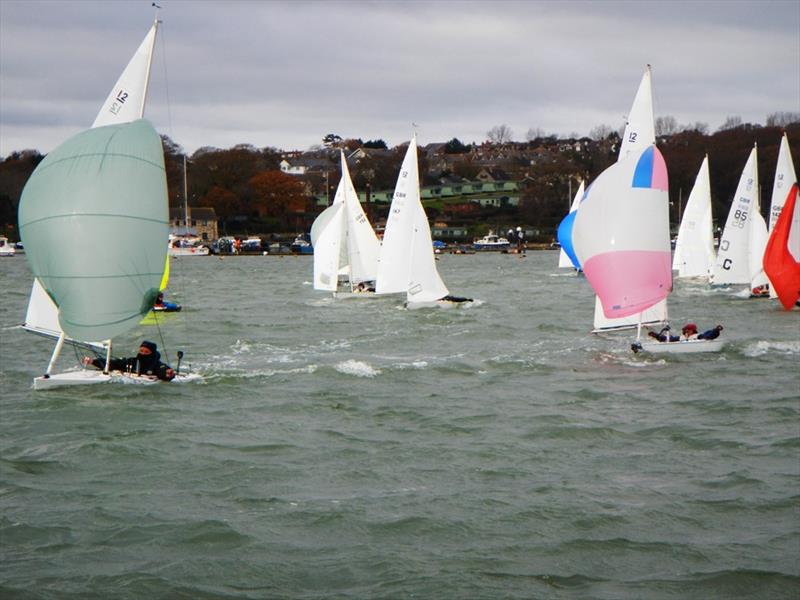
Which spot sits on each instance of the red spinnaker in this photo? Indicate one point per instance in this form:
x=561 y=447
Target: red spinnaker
x=781 y=267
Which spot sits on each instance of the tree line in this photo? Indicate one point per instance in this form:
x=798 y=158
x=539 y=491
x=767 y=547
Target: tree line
x=249 y=192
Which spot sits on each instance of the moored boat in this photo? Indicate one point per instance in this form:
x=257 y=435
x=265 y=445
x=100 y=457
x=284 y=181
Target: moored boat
x=491 y=242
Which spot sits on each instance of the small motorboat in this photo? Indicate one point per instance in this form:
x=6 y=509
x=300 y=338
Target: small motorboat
x=491 y=242
x=300 y=245
x=6 y=249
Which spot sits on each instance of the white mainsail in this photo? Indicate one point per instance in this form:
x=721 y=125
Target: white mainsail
x=363 y=246
x=407 y=263
x=125 y=103
x=784 y=178
x=640 y=130
x=424 y=284
x=733 y=263
x=326 y=237
x=639 y=134
x=343 y=239
x=694 y=251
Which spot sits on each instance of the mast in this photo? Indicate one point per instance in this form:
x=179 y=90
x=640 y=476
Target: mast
x=185 y=197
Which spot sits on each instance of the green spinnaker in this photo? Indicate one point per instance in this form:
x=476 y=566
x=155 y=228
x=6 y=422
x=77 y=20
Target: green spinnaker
x=94 y=221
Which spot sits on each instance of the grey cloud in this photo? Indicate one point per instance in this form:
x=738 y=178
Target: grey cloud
x=285 y=73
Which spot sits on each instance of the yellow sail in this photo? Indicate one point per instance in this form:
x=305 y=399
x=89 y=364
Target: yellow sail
x=165 y=278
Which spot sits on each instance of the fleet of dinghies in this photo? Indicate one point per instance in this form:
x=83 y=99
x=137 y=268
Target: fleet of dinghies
x=617 y=233
x=104 y=188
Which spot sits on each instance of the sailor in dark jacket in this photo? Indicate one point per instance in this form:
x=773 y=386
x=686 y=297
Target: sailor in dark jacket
x=146 y=362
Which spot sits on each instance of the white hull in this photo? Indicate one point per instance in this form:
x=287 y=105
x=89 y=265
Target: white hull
x=348 y=294
x=446 y=304
x=200 y=251
x=681 y=347
x=88 y=377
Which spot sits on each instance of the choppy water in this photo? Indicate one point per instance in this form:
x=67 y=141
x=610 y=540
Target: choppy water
x=352 y=449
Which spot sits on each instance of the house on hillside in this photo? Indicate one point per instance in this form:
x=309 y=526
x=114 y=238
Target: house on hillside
x=303 y=165
x=488 y=174
x=201 y=221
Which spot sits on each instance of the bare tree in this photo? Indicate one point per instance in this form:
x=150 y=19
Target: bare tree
x=666 y=125
x=534 y=133
x=782 y=119
x=699 y=127
x=731 y=122
x=601 y=132
x=499 y=134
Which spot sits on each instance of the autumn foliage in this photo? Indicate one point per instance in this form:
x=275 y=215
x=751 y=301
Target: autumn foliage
x=277 y=195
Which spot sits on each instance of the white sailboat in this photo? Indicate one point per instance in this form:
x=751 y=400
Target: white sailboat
x=743 y=233
x=186 y=244
x=125 y=103
x=345 y=245
x=627 y=258
x=784 y=178
x=639 y=134
x=407 y=263
x=93 y=217
x=566 y=257
x=694 y=250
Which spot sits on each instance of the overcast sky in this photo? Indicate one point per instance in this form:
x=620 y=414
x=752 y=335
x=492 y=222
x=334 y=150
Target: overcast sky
x=284 y=74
